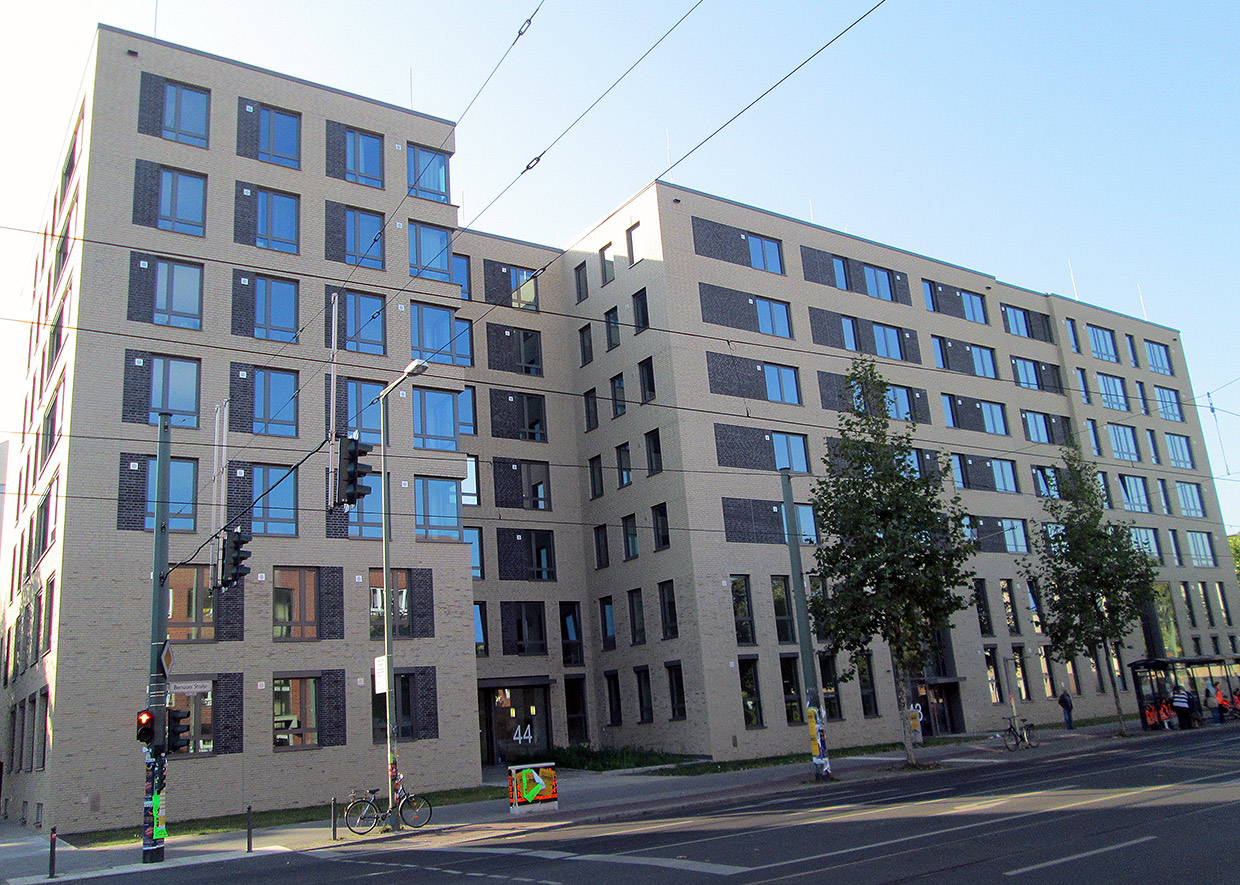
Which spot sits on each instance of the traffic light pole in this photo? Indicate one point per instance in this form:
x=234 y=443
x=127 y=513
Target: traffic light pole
x=153 y=831
x=389 y=675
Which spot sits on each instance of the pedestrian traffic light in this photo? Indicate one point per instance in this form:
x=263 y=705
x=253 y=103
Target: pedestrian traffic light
x=233 y=557
x=146 y=727
x=350 y=484
x=177 y=729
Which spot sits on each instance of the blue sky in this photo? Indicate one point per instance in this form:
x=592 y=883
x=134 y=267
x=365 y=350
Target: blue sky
x=1013 y=138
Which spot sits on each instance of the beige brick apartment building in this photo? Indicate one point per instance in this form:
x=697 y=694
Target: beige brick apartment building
x=587 y=534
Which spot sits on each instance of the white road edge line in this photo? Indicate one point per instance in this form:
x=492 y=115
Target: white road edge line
x=1051 y=863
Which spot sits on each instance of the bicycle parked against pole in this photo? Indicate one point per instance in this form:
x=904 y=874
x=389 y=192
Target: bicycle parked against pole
x=1016 y=735
x=363 y=813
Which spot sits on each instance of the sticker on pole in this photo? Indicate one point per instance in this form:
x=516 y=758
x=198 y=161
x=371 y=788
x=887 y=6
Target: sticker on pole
x=532 y=786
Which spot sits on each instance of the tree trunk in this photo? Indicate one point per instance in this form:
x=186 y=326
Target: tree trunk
x=1107 y=651
x=904 y=703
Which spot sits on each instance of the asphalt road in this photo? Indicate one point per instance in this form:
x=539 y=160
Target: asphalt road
x=1148 y=811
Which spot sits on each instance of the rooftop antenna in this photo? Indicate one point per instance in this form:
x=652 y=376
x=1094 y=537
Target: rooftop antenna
x=1075 y=294
x=411 y=87
x=1144 y=315
x=155 y=27
x=811 y=210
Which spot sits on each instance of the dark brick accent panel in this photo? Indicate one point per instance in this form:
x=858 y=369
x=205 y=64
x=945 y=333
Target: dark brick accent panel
x=714 y=240
x=243 y=302
x=228 y=714
x=247 y=128
x=151 y=104
x=834 y=392
x=1061 y=430
x=817 y=266
x=728 y=307
x=335 y=149
x=421 y=603
x=338 y=517
x=507 y=418
x=496 y=282
x=1049 y=377
x=747 y=447
x=331 y=602
x=735 y=376
x=978 y=473
x=989 y=535
x=509 y=614
x=825 y=327
x=507 y=476
x=142 y=282
x=230 y=613
x=245 y=214
x=502 y=348
x=899 y=288
x=948 y=300
x=333 y=717
x=342 y=402
x=241 y=394
x=1040 y=326
x=131 y=493
x=341 y=320
x=969 y=413
x=746 y=521
x=920 y=401
x=334 y=231
x=912 y=347
x=513 y=549
x=929 y=461
x=240 y=495
x=423 y=702
x=146 y=193
x=136 y=396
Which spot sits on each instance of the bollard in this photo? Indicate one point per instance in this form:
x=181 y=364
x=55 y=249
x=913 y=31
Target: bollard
x=249 y=829
x=333 y=818
x=51 y=857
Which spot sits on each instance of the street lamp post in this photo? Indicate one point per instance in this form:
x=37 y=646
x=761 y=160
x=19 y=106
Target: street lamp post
x=417 y=367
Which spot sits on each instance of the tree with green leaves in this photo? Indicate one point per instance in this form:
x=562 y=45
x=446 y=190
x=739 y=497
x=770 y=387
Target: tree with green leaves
x=1096 y=579
x=1233 y=541
x=894 y=545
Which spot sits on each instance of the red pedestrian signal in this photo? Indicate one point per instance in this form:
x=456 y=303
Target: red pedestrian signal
x=146 y=727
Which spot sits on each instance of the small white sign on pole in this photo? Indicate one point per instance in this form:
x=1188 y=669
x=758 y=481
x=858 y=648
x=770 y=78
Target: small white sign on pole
x=381 y=686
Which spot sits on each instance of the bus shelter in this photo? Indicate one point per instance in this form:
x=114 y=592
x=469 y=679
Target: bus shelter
x=1156 y=678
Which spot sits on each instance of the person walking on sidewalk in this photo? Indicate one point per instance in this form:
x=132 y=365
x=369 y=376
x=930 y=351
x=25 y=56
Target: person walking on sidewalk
x=1182 y=707
x=1065 y=701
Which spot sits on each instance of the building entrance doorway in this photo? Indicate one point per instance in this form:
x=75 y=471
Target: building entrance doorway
x=514 y=724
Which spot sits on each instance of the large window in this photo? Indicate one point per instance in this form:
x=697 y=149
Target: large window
x=277 y=225
x=899 y=403
x=363 y=238
x=887 y=342
x=974 y=307
x=428 y=173
x=434 y=419
x=191 y=605
x=437 y=514
x=1159 y=358
x=1014 y=539
x=1180 y=451
x=1168 y=403
x=1037 y=426
x=1113 y=392
x=295 y=711
x=878 y=283
x=437 y=336
x=984 y=363
x=742 y=611
x=1190 y=499
x=1124 y=442
x=182 y=202
x=201 y=718
x=402 y=626
x=1136 y=495
x=765 y=254
x=295 y=603
x=430 y=252
x=1004 y=473
x=523 y=284
x=174 y=389
x=792 y=451
x=186 y=114
x=275 y=500
x=1015 y=320
x=275 y=309
x=782 y=385
x=363 y=158
x=785 y=619
x=182 y=495
x=1102 y=343
x=994 y=418
x=1025 y=373
x=279 y=137
x=178 y=294
x=542 y=555
x=275 y=402
x=667 y=610
x=774 y=317
x=1201 y=549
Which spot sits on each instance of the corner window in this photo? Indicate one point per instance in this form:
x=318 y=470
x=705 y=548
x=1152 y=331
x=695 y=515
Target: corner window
x=186 y=114
x=363 y=158
x=428 y=173
x=279 y=137
x=363 y=238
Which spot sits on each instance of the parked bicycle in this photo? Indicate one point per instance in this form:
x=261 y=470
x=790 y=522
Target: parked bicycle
x=363 y=813
x=1016 y=735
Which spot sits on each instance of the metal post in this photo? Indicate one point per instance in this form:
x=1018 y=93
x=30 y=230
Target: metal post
x=393 y=819
x=249 y=829
x=333 y=818
x=51 y=857
x=1010 y=687
x=157 y=681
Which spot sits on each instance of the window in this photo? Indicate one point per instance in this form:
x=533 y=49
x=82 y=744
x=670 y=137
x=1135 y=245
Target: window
x=182 y=492
x=295 y=603
x=1019 y=674
x=1102 y=343
x=887 y=342
x=427 y=173
x=974 y=307
x=791 y=679
x=542 y=556
x=1009 y=606
x=277 y=226
x=807 y=526
x=751 y=698
x=607 y=623
x=1147 y=540
x=1004 y=475
x=437 y=515
x=295 y=712
x=572 y=646
x=362 y=410
x=1045 y=482
x=632 y=239
x=615 y=714
x=1168 y=403
x=1037 y=426
x=275 y=402
x=792 y=451
x=1094 y=441
x=618 y=404
x=654 y=453
x=403 y=627
x=279 y=137
x=1073 y=338
x=899 y=402
x=186 y=114
x=582 y=282
x=864 y=663
x=828 y=672
x=1083 y=383
x=637 y=618
x=839 y=271
x=529 y=351
x=596 y=476
x=191 y=605
x=742 y=611
x=363 y=158
x=49 y=434
x=667 y=610
x=624 y=466
x=1132 y=352
x=1014 y=540
x=1135 y=493
x=981 y=601
x=473 y=537
x=645 y=378
x=363 y=238
x=467 y=411
x=524 y=628
x=174 y=388
x=992 y=674
x=430 y=252
x=782 y=385
x=949 y=411
x=765 y=254
x=1124 y=442
x=1180 y=451
x=602 y=550
x=1143 y=399
x=774 y=317
x=178 y=294
x=1104 y=488
x=1025 y=373
x=200 y=719
x=628 y=528
x=662 y=531
x=275 y=309
x=1015 y=320
x=437 y=336
x=994 y=418
x=676 y=690
x=850 y=333
x=182 y=202
x=878 y=283
x=1190 y=499
x=275 y=500
x=611 y=323
x=590 y=401
x=1162 y=496
x=460 y=275
x=984 y=362
x=607 y=264
x=585 y=337
x=523 y=283
x=1159 y=358
x=1113 y=392
x=785 y=619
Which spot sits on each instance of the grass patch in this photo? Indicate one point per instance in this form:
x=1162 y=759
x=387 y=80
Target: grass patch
x=231 y=823
x=609 y=758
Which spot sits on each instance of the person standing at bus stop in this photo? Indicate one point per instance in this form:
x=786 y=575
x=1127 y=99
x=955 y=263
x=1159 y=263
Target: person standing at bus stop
x=1065 y=701
x=1208 y=701
x=1182 y=707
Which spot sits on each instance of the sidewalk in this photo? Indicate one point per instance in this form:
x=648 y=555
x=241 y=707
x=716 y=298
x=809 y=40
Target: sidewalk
x=584 y=797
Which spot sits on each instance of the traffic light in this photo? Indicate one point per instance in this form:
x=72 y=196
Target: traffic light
x=161 y=776
x=233 y=557
x=350 y=485
x=146 y=727
x=177 y=729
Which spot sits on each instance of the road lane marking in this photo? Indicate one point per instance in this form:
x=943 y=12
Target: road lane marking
x=1051 y=863
x=671 y=863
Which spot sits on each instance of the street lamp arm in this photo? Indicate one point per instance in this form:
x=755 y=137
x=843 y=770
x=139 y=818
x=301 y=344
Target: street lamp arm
x=417 y=367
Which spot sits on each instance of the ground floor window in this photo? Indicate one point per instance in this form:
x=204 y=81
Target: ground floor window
x=295 y=711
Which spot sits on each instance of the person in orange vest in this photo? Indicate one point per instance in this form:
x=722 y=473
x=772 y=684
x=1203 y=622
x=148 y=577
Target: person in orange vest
x=1215 y=695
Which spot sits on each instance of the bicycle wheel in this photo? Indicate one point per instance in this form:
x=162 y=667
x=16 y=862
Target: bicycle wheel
x=1011 y=739
x=415 y=811
x=361 y=816
x=1031 y=735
